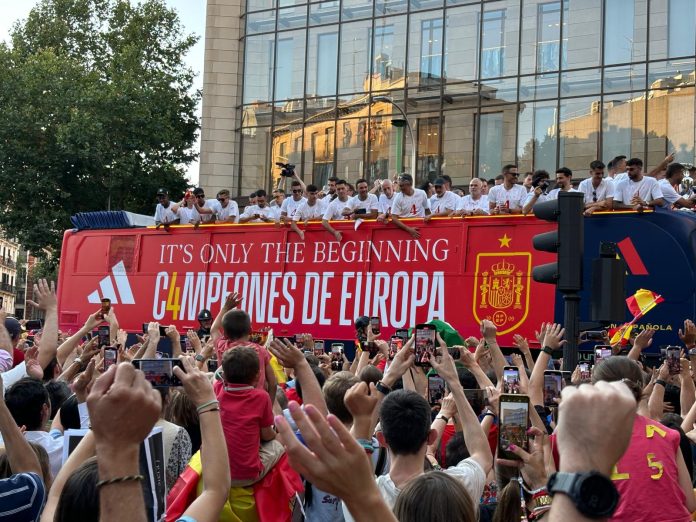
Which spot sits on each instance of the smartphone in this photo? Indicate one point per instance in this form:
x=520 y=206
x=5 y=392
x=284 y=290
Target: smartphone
x=258 y=337
x=105 y=306
x=585 y=372
x=436 y=389
x=104 y=334
x=602 y=352
x=553 y=384
x=514 y=423
x=337 y=350
x=425 y=344
x=455 y=351
x=395 y=344
x=672 y=357
x=110 y=355
x=594 y=335
x=186 y=345
x=403 y=333
x=511 y=380
x=162 y=329
x=318 y=347
x=159 y=372
x=212 y=364
x=299 y=341
x=375 y=324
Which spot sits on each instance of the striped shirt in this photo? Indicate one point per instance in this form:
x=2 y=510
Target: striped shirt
x=23 y=496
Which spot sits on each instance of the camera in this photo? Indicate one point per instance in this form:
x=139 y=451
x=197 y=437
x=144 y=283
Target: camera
x=543 y=184
x=288 y=170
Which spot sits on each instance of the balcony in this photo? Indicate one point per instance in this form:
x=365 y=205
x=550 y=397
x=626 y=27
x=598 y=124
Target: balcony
x=7 y=287
x=8 y=263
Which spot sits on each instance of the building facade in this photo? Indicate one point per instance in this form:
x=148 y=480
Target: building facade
x=9 y=254
x=540 y=83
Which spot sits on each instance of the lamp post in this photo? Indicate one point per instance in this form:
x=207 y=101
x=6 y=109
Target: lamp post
x=398 y=122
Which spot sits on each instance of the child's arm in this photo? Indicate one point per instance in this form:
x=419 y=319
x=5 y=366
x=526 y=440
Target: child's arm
x=267 y=434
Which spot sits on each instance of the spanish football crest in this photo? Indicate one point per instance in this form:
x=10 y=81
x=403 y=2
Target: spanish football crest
x=501 y=288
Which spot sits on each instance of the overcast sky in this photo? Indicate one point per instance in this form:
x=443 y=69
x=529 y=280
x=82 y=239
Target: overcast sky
x=191 y=13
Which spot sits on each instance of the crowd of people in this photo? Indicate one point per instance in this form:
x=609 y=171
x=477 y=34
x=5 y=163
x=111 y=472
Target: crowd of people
x=624 y=187
x=363 y=440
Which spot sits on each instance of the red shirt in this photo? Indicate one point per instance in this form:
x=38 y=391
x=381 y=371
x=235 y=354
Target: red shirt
x=647 y=476
x=449 y=433
x=222 y=345
x=244 y=411
x=17 y=357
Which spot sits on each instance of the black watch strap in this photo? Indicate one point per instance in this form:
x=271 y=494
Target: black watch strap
x=383 y=388
x=548 y=350
x=593 y=493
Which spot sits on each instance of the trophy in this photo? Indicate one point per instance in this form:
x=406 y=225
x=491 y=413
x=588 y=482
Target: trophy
x=687 y=184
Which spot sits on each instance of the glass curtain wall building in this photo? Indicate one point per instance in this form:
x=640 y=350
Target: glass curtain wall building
x=539 y=83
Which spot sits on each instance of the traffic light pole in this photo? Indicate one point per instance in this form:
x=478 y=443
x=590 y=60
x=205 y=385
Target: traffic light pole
x=571 y=322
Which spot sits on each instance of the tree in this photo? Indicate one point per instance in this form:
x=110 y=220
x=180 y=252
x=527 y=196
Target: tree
x=96 y=111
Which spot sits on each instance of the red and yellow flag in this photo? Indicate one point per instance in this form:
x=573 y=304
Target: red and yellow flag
x=642 y=302
x=620 y=334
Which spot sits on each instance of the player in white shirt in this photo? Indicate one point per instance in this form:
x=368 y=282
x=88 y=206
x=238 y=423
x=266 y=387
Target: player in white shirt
x=475 y=203
x=564 y=182
x=166 y=211
x=598 y=190
x=204 y=210
x=336 y=209
x=259 y=213
x=673 y=178
x=228 y=210
x=290 y=205
x=363 y=204
x=386 y=199
x=311 y=209
x=508 y=197
x=186 y=210
x=638 y=191
x=409 y=202
x=444 y=202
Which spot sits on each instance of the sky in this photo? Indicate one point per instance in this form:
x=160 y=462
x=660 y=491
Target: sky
x=191 y=13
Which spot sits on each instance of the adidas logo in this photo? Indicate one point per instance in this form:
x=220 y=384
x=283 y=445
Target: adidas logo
x=107 y=290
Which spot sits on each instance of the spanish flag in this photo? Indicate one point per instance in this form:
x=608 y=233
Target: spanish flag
x=642 y=302
x=620 y=334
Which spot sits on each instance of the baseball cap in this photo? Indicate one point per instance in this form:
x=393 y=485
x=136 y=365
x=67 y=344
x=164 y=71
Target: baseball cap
x=439 y=182
x=13 y=327
x=204 y=315
x=162 y=192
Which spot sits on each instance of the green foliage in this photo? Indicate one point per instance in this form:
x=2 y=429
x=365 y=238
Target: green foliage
x=95 y=109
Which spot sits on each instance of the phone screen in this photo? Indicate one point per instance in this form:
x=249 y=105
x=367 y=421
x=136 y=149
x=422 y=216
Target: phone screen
x=104 y=334
x=672 y=358
x=162 y=329
x=425 y=344
x=212 y=364
x=403 y=333
x=375 y=324
x=455 y=352
x=585 y=373
x=395 y=344
x=553 y=384
x=105 y=306
x=110 y=355
x=514 y=423
x=436 y=389
x=337 y=356
x=159 y=372
x=318 y=347
x=602 y=352
x=511 y=380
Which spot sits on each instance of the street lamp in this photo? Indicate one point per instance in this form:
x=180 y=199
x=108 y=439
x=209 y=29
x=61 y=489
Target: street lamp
x=399 y=122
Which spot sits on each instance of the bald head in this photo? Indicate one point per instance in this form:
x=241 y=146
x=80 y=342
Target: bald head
x=387 y=188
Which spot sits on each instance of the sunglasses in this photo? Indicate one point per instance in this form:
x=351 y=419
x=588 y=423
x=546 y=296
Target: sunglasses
x=201 y=196
x=299 y=191
x=594 y=196
x=222 y=200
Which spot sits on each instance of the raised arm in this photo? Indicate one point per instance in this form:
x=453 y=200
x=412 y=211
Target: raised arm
x=231 y=302
x=69 y=345
x=153 y=339
x=6 y=342
x=642 y=341
x=551 y=339
x=489 y=332
x=46 y=300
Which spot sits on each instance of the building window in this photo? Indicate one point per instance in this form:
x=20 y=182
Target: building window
x=618 y=31
x=490 y=144
x=493 y=44
x=384 y=47
x=548 y=36
x=680 y=29
x=327 y=51
x=431 y=52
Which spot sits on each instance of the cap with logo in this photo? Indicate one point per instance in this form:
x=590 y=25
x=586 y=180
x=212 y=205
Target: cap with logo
x=205 y=315
x=162 y=192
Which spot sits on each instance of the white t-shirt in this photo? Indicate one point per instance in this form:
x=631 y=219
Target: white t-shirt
x=306 y=211
x=619 y=177
x=385 y=203
x=410 y=206
x=448 y=201
x=290 y=206
x=670 y=195
x=647 y=189
x=212 y=204
x=553 y=194
x=232 y=209
x=468 y=472
x=603 y=191
x=252 y=210
x=186 y=215
x=371 y=203
x=165 y=215
x=469 y=204
x=513 y=198
x=334 y=210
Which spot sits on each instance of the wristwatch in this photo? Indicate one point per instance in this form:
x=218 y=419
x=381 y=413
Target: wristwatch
x=547 y=350
x=79 y=361
x=383 y=388
x=199 y=357
x=593 y=494
x=441 y=416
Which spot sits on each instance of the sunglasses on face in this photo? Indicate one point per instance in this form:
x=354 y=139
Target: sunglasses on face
x=299 y=191
x=200 y=196
x=222 y=200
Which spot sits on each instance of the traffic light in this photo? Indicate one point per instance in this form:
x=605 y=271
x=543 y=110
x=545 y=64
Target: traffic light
x=567 y=241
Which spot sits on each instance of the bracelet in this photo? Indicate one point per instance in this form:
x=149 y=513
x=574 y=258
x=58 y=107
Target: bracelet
x=661 y=383
x=206 y=411
x=542 y=500
x=489 y=412
x=117 y=480
x=442 y=417
x=206 y=404
x=366 y=445
x=533 y=492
